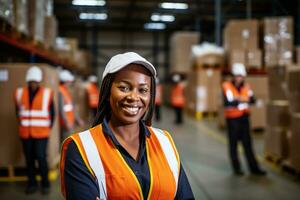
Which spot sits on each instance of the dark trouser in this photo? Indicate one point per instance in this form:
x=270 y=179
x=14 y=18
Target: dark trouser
x=35 y=149
x=178 y=113
x=157 y=112
x=239 y=130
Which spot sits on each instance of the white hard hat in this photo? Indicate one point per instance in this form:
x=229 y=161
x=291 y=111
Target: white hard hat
x=239 y=69
x=93 y=79
x=34 y=73
x=119 y=61
x=66 y=76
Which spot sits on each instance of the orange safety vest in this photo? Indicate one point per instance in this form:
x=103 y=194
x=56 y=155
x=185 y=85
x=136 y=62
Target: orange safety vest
x=115 y=178
x=158 y=94
x=177 y=96
x=68 y=107
x=35 y=121
x=93 y=95
x=232 y=93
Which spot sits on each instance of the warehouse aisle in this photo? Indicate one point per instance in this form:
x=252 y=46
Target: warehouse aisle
x=204 y=156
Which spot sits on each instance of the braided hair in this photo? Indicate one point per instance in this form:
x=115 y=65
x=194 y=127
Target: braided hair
x=104 y=108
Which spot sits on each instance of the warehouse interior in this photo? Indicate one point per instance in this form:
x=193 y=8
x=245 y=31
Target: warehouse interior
x=196 y=41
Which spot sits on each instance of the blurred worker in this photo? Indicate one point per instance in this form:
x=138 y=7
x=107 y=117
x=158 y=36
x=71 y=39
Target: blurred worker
x=177 y=98
x=93 y=94
x=123 y=156
x=237 y=98
x=158 y=99
x=35 y=112
x=67 y=115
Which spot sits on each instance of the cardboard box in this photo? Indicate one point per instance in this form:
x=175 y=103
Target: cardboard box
x=277 y=83
x=21 y=15
x=180 y=50
x=203 y=90
x=83 y=60
x=254 y=58
x=278 y=114
x=36 y=19
x=208 y=61
x=271 y=58
x=50 y=33
x=241 y=34
x=66 y=47
x=294 y=141
x=293 y=86
x=6 y=12
x=276 y=142
x=12 y=76
x=298 y=55
x=236 y=56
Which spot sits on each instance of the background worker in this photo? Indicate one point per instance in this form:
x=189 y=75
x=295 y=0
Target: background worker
x=237 y=98
x=35 y=112
x=122 y=156
x=177 y=98
x=67 y=115
x=93 y=94
x=158 y=100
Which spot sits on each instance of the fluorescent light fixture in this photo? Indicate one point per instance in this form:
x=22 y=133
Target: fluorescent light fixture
x=164 y=18
x=93 y=16
x=155 y=26
x=169 y=5
x=88 y=2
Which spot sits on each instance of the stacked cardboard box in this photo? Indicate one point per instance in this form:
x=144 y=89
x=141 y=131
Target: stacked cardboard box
x=83 y=60
x=21 y=15
x=297 y=55
x=241 y=43
x=36 y=19
x=278 y=41
x=6 y=11
x=12 y=76
x=66 y=47
x=50 y=33
x=203 y=90
x=293 y=87
x=277 y=83
x=180 y=50
x=208 y=61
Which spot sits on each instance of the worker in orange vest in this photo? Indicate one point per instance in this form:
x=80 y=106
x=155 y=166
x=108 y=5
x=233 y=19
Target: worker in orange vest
x=35 y=113
x=67 y=115
x=122 y=156
x=237 y=98
x=177 y=98
x=158 y=100
x=93 y=94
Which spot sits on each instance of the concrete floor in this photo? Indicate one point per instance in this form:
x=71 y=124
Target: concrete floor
x=203 y=152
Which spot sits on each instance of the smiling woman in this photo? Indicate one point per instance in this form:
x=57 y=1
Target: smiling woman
x=122 y=156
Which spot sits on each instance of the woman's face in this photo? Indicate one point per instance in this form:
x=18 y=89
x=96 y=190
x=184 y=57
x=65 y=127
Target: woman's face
x=130 y=94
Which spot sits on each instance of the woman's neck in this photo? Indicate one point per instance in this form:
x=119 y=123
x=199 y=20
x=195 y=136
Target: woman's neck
x=127 y=132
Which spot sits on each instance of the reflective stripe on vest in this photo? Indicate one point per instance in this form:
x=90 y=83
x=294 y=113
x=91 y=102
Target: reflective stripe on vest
x=94 y=161
x=96 y=165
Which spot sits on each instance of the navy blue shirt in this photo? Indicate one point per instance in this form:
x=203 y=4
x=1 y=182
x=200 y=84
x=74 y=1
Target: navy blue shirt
x=78 y=178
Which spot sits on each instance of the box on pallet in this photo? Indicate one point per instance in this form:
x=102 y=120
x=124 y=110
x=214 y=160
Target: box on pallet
x=36 y=19
x=21 y=15
x=276 y=142
x=277 y=83
x=278 y=114
x=251 y=58
x=50 y=33
x=241 y=34
x=66 y=47
x=294 y=141
x=203 y=90
x=180 y=50
x=6 y=11
x=293 y=86
x=12 y=76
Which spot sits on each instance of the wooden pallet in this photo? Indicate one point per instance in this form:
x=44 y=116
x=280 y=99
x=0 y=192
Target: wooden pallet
x=14 y=174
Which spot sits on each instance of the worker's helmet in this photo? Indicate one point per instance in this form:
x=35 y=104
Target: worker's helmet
x=238 y=69
x=34 y=73
x=66 y=76
x=93 y=79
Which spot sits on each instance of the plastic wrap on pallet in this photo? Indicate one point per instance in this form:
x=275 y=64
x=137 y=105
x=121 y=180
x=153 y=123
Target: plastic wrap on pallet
x=6 y=11
x=21 y=15
x=48 y=8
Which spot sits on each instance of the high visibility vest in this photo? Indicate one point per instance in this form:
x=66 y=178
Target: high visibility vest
x=232 y=93
x=68 y=107
x=35 y=120
x=93 y=95
x=115 y=178
x=158 y=94
x=177 y=96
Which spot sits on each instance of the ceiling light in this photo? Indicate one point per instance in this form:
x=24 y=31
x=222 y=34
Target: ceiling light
x=163 y=18
x=93 y=16
x=168 y=5
x=88 y=2
x=155 y=26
